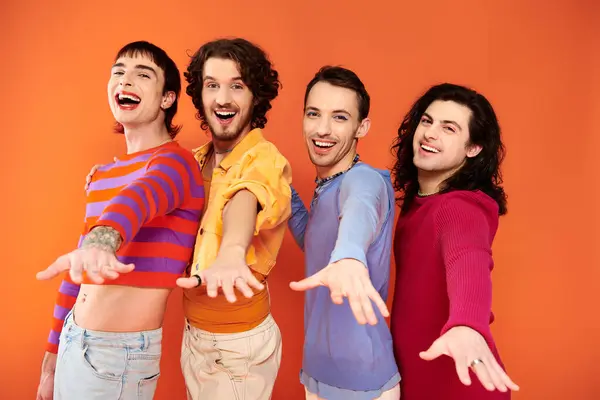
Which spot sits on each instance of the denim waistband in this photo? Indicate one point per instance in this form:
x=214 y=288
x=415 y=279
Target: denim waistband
x=142 y=340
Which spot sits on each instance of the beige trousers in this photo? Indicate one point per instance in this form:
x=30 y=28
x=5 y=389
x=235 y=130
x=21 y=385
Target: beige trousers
x=392 y=394
x=237 y=366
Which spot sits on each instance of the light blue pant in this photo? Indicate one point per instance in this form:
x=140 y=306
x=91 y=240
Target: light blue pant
x=94 y=365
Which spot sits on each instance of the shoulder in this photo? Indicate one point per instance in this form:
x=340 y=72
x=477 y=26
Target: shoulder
x=469 y=201
x=267 y=150
x=366 y=176
x=265 y=155
x=174 y=152
x=462 y=205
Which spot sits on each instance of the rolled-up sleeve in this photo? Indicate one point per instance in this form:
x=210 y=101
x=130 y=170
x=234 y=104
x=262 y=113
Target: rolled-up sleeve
x=268 y=177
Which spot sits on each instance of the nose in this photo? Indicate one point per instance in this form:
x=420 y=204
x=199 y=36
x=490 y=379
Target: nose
x=223 y=96
x=432 y=132
x=324 y=127
x=125 y=81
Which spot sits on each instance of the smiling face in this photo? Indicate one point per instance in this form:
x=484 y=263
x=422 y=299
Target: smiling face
x=331 y=126
x=441 y=141
x=227 y=101
x=135 y=92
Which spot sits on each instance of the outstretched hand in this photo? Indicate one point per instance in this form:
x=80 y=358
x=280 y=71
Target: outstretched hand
x=469 y=350
x=229 y=270
x=98 y=263
x=348 y=278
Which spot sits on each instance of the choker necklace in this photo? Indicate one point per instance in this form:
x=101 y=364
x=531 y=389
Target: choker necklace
x=223 y=152
x=421 y=194
x=321 y=182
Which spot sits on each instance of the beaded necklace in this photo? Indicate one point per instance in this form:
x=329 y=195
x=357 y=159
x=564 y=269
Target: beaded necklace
x=322 y=182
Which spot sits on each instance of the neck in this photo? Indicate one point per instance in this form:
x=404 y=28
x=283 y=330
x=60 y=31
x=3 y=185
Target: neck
x=431 y=182
x=140 y=138
x=223 y=147
x=340 y=166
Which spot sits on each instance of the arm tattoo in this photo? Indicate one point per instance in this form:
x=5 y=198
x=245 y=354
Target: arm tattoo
x=103 y=237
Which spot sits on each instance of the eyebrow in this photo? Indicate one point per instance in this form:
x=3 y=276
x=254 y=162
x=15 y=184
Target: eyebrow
x=338 y=111
x=210 y=78
x=138 y=66
x=445 y=121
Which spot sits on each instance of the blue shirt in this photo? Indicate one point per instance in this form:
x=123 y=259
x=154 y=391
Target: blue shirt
x=352 y=217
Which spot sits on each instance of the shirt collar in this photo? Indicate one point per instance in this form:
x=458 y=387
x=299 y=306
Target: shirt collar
x=253 y=137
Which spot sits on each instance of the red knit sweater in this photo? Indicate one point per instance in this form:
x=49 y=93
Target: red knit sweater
x=444 y=260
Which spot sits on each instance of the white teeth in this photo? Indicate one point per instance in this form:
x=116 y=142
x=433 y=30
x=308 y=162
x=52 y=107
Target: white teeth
x=127 y=96
x=225 y=113
x=324 y=144
x=431 y=149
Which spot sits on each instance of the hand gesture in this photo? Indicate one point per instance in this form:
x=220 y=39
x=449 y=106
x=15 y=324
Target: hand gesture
x=229 y=270
x=88 y=178
x=348 y=278
x=469 y=350
x=99 y=264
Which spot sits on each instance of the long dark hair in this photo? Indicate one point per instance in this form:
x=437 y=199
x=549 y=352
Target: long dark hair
x=172 y=78
x=256 y=71
x=481 y=172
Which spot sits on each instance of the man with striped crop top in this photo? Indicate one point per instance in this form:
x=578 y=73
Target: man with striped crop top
x=142 y=215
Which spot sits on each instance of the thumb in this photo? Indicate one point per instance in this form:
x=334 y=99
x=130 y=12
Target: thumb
x=187 y=283
x=60 y=265
x=120 y=267
x=307 y=283
x=434 y=351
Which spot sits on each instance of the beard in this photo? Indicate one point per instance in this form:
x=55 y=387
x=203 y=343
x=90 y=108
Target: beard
x=240 y=124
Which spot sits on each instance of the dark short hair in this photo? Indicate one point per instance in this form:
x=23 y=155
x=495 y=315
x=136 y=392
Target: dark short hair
x=481 y=172
x=171 y=73
x=342 y=77
x=256 y=71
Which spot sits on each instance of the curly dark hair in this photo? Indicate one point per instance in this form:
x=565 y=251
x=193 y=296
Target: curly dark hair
x=255 y=68
x=478 y=173
x=171 y=74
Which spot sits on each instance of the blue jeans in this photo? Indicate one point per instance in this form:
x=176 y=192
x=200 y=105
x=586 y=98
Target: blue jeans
x=106 y=365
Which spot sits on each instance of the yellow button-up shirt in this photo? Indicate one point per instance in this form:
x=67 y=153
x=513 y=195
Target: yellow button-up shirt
x=255 y=165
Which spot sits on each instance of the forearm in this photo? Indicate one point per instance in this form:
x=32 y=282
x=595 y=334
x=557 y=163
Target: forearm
x=469 y=287
x=65 y=300
x=49 y=363
x=239 y=219
x=298 y=220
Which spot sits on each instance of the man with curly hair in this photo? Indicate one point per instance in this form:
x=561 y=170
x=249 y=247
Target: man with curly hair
x=231 y=345
x=447 y=174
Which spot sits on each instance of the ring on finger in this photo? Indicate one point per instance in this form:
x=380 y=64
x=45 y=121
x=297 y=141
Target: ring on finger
x=475 y=362
x=199 y=280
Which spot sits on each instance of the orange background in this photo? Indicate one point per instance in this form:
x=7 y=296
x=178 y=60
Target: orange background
x=536 y=61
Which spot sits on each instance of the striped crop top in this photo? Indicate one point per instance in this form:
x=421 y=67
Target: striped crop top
x=154 y=199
